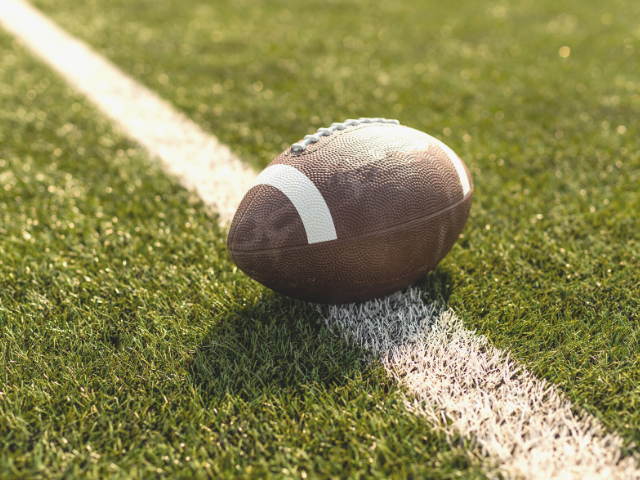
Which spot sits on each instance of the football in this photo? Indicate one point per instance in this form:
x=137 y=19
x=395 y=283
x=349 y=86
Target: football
x=356 y=211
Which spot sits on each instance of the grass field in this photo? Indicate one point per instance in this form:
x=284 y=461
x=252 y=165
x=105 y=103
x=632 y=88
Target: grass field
x=130 y=345
x=130 y=340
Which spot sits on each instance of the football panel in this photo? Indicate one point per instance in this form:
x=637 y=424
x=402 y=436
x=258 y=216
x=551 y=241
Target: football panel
x=379 y=176
x=358 y=269
x=266 y=219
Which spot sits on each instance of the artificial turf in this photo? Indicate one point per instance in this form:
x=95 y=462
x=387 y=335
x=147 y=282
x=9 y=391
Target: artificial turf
x=547 y=265
x=540 y=99
x=132 y=348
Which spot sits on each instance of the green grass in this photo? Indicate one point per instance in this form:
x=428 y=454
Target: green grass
x=547 y=266
x=548 y=263
x=130 y=346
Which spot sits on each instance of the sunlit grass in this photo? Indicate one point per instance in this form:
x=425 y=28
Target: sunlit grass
x=540 y=99
x=131 y=347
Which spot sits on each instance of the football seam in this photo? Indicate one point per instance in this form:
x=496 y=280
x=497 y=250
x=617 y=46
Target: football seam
x=337 y=134
x=349 y=239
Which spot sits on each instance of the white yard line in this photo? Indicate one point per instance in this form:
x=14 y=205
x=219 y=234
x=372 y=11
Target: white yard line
x=456 y=379
x=465 y=386
x=197 y=158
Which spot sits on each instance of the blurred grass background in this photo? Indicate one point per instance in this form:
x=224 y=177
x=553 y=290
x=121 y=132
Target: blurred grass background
x=261 y=74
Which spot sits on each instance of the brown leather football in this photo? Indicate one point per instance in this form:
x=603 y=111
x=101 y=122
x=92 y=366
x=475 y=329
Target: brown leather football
x=357 y=211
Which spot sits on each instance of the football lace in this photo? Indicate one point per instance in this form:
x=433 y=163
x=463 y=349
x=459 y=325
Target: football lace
x=325 y=132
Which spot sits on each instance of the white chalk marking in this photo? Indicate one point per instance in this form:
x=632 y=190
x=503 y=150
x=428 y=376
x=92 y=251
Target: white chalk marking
x=197 y=158
x=465 y=386
x=305 y=196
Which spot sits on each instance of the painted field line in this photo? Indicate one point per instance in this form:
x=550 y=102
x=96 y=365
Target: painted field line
x=465 y=386
x=197 y=158
x=455 y=378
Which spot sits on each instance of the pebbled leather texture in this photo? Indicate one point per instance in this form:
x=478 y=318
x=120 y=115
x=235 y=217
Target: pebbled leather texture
x=397 y=205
